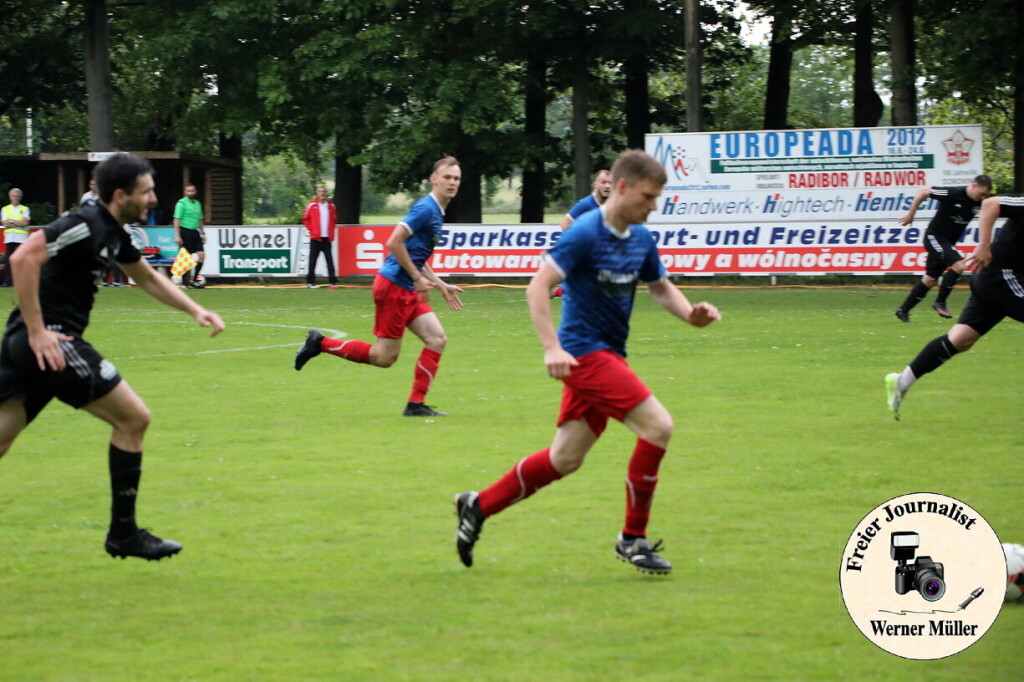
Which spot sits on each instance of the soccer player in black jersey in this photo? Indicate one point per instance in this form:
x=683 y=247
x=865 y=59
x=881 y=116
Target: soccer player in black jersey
x=997 y=291
x=43 y=355
x=957 y=205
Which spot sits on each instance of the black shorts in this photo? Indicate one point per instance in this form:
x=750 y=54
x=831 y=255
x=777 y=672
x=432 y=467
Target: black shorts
x=192 y=240
x=87 y=376
x=941 y=255
x=995 y=293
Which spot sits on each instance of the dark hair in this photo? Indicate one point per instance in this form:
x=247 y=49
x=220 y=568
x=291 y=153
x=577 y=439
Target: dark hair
x=635 y=165
x=120 y=171
x=983 y=180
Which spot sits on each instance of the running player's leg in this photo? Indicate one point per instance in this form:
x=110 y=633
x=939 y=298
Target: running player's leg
x=934 y=267
x=12 y=422
x=992 y=299
x=573 y=440
x=653 y=426
x=393 y=309
x=429 y=330
x=954 y=262
x=125 y=411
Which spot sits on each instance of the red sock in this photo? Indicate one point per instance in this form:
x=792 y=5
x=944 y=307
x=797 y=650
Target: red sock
x=529 y=475
x=641 y=479
x=423 y=376
x=350 y=349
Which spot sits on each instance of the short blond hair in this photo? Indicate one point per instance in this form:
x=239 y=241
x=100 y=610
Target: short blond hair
x=635 y=165
x=444 y=162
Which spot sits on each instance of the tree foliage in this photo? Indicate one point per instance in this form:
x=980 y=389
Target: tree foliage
x=394 y=84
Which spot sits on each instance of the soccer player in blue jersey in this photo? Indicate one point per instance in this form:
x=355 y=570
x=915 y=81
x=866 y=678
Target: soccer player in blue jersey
x=400 y=294
x=601 y=259
x=602 y=188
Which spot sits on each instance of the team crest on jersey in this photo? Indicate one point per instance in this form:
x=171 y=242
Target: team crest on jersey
x=958 y=148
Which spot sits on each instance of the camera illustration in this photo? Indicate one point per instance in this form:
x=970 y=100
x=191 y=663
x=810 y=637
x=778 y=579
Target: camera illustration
x=923 y=575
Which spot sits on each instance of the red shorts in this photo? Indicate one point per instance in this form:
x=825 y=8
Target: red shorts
x=396 y=308
x=602 y=386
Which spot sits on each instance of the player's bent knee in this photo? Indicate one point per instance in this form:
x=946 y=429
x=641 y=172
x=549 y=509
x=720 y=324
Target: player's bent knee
x=436 y=343
x=385 y=361
x=565 y=463
x=136 y=421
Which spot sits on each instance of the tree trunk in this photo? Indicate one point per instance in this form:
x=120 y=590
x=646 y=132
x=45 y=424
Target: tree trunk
x=348 y=190
x=229 y=146
x=638 y=104
x=531 y=209
x=867 y=105
x=97 y=77
x=904 y=66
x=467 y=206
x=694 y=89
x=780 y=65
x=1018 y=107
x=580 y=124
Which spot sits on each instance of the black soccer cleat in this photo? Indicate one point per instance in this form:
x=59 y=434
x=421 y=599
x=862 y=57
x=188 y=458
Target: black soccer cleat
x=471 y=523
x=421 y=410
x=902 y=314
x=642 y=555
x=310 y=348
x=142 y=544
x=941 y=309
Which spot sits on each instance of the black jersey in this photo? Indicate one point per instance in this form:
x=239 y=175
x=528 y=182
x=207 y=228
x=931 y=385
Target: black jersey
x=82 y=246
x=1008 y=244
x=955 y=210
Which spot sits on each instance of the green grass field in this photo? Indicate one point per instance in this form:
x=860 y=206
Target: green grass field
x=318 y=526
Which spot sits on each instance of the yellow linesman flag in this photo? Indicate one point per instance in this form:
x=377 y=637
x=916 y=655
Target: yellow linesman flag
x=183 y=262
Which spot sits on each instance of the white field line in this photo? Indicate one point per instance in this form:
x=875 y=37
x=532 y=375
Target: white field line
x=335 y=333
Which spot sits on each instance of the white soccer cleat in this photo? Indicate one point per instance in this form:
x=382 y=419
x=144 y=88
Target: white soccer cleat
x=893 y=394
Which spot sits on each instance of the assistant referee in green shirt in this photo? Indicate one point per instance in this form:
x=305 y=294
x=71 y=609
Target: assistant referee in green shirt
x=189 y=231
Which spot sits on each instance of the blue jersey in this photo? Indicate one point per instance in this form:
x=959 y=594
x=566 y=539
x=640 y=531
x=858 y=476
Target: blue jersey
x=601 y=269
x=584 y=205
x=425 y=221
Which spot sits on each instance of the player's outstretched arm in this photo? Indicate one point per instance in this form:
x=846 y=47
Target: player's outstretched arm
x=162 y=289
x=921 y=195
x=671 y=299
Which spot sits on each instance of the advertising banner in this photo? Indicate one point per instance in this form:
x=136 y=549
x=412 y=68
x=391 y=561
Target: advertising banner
x=699 y=249
x=824 y=174
x=246 y=250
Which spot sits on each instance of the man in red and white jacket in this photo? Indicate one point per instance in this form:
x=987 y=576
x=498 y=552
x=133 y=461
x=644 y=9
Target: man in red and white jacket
x=320 y=219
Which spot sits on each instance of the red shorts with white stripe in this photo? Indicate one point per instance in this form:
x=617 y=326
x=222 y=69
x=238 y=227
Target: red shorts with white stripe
x=396 y=308
x=602 y=386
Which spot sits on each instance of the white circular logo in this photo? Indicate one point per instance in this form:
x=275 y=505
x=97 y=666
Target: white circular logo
x=923 y=576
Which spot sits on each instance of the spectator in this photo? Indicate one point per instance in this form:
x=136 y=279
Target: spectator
x=320 y=218
x=16 y=218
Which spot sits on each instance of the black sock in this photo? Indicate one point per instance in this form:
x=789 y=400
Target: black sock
x=936 y=352
x=946 y=285
x=916 y=295
x=199 y=266
x=125 y=472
